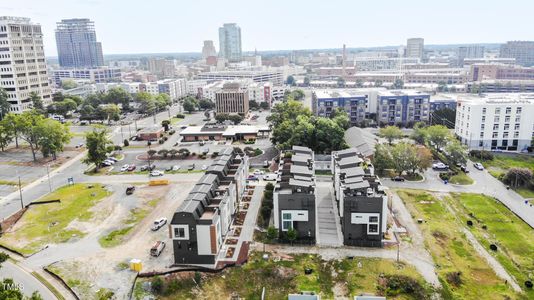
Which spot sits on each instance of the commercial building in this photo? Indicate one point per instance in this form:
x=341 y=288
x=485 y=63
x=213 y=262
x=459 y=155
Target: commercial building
x=275 y=77
x=471 y=51
x=22 y=63
x=294 y=194
x=501 y=86
x=77 y=46
x=522 y=51
x=415 y=47
x=373 y=64
x=480 y=72
x=221 y=132
x=163 y=68
x=208 y=49
x=361 y=200
x=200 y=225
x=495 y=121
x=232 y=99
x=403 y=107
x=153 y=133
x=230 y=42
x=96 y=75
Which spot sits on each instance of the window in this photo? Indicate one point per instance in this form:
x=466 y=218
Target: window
x=482 y=126
x=518 y=110
x=508 y=110
x=483 y=118
x=496 y=119
x=495 y=135
x=497 y=110
x=373 y=219
x=505 y=135
x=484 y=111
x=516 y=134
x=179 y=232
x=506 y=126
x=507 y=119
x=373 y=228
x=286 y=225
x=495 y=126
x=516 y=126
x=481 y=144
x=517 y=119
x=481 y=134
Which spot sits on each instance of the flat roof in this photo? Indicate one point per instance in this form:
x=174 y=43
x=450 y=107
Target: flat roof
x=300 y=170
x=497 y=98
x=396 y=93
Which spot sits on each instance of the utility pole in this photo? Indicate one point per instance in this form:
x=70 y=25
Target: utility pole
x=169 y=111
x=48 y=173
x=122 y=134
x=20 y=192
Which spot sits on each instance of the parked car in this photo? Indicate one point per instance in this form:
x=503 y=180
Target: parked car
x=107 y=163
x=183 y=127
x=253 y=178
x=204 y=167
x=258 y=172
x=125 y=168
x=148 y=168
x=80 y=145
x=478 y=166
x=397 y=178
x=131 y=167
x=157 y=248
x=464 y=169
x=130 y=190
x=156 y=173
x=113 y=159
x=265 y=163
x=158 y=224
x=440 y=166
x=270 y=177
x=191 y=167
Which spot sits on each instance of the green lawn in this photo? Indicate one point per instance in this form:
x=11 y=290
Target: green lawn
x=175 y=120
x=452 y=252
x=514 y=238
x=461 y=178
x=525 y=192
x=117 y=237
x=48 y=223
x=283 y=277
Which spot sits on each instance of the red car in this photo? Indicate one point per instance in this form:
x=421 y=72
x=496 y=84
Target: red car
x=131 y=168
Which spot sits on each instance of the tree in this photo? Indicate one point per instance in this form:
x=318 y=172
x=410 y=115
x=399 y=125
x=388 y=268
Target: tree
x=173 y=153
x=398 y=84
x=253 y=104
x=297 y=94
x=404 y=158
x=52 y=137
x=29 y=123
x=340 y=82
x=4 y=103
x=292 y=235
x=379 y=82
x=165 y=124
x=109 y=112
x=444 y=116
x=190 y=104
x=63 y=107
x=147 y=105
x=37 y=102
x=341 y=118
x=438 y=135
x=162 y=101
x=87 y=112
x=206 y=104
x=456 y=152
x=6 y=136
x=117 y=95
x=272 y=234
x=163 y=153
x=68 y=84
x=221 y=117
x=442 y=86
x=151 y=153
x=425 y=158
x=235 y=118
x=264 y=105
x=97 y=142
x=390 y=133
x=382 y=159
x=290 y=80
x=183 y=153
x=518 y=177
x=306 y=81
x=13 y=124
x=419 y=132
x=359 y=83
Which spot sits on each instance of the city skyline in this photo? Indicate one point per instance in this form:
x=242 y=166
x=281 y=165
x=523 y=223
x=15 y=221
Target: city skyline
x=133 y=32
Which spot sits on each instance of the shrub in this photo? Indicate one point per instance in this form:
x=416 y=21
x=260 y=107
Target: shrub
x=198 y=277
x=126 y=143
x=444 y=176
x=157 y=285
x=481 y=154
x=493 y=247
x=398 y=284
x=161 y=141
x=454 y=278
x=172 y=132
x=117 y=147
x=165 y=138
x=180 y=116
x=469 y=223
x=528 y=284
x=269 y=186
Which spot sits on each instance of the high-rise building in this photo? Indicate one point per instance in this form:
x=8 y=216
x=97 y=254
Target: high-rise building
x=22 y=62
x=76 y=44
x=163 y=68
x=415 y=47
x=471 y=51
x=208 y=49
x=230 y=42
x=232 y=99
x=522 y=51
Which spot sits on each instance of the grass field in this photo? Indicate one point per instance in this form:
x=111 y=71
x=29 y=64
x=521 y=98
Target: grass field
x=514 y=238
x=116 y=237
x=461 y=178
x=452 y=253
x=283 y=277
x=48 y=223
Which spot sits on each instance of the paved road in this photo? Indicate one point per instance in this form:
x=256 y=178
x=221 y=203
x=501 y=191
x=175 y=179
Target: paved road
x=484 y=184
x=28 y=283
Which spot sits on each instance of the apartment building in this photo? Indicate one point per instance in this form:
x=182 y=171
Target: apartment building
x=403 y=107
x=232 y=99
x=495 y=121
x=200 y=225
x=294 y=194
x=96 y=75
x=522 y=51
x=175 y=88
x=77 y=46
x=276 y=77
x=441 y=101
x=22 y=63
x=360 y=198
x=257 y=91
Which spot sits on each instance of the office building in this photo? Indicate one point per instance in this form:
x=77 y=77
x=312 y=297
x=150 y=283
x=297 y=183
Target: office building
x=402 y=107
x=471 y=51
x=208 y=50
x=495 y=121
x=360 y=198
x=22 y=63
x=94 y=75
x=232 y=99
x=415 y=47
x=276 y=77
x=522 y=51
x=77 y=46
x=230 y=42
x=162 y=68
x=294 y=194
x=200 y=225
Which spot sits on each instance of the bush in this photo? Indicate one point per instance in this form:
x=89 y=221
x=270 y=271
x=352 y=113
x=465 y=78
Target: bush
x=269 y=186
x=469 y=223
x=198 y=277
x=117 y=147
x=528 y=284
x=493 y=247
x=172 y=132
x=398 y=284
x=454 y=278
x=165 y=138
x=444 y=176
x=161 y=141
x=157 y=285
x=126 y=143
x=481 y=154
x=180 y=116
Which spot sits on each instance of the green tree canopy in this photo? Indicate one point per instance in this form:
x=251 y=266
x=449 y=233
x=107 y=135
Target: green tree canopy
x=4 y=103
x=97 y=142
x=390 y=133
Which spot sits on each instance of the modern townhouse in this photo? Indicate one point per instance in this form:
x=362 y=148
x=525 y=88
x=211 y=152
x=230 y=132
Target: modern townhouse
x=200 y=225
x=294 y=194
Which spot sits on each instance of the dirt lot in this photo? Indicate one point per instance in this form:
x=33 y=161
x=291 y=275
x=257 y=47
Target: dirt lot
x=107 y=268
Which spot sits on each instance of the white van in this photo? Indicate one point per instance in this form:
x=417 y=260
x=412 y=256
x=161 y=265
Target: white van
x=157 y=248
x=270 y=177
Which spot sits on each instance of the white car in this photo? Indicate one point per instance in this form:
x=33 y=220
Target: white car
x=478 y=166
x=270 y=177
x=156 y=173
x=112 y=158
x=125 y=168
x=258 y=172
x=204 y=167
x=440 y=166
x=158 y=224
x=176 y=168
x=109 y=162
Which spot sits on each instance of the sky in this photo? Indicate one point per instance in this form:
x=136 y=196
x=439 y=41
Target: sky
x=165 y=26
